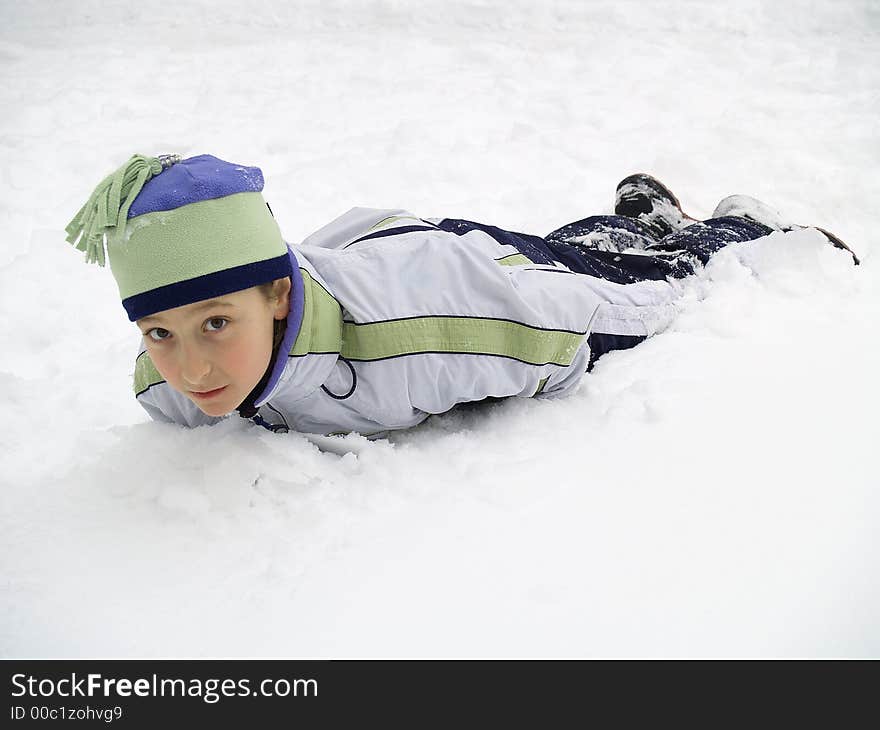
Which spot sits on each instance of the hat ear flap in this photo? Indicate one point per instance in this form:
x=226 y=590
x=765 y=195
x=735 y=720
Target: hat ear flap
x=106 y=210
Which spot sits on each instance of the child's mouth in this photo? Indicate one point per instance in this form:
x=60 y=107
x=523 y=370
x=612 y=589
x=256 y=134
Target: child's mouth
x=205 y=394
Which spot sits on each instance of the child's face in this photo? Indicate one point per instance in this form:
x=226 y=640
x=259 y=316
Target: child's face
x=215 y=351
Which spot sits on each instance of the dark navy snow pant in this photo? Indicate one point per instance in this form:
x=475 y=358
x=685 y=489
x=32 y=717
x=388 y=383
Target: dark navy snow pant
x=592 y=246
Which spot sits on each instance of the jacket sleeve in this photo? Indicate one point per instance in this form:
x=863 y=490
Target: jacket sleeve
x=161 y=401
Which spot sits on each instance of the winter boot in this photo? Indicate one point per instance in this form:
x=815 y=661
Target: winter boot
x=742 y=206
x=648 y=200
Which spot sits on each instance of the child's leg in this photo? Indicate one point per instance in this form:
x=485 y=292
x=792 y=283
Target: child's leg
x=650 y=218
x=593 y=246
x=621 y=268
x=702 y=239
x=606 y=233
x=636 y=286
x=645 y=210
x=744 y=206
x=570 y=245
x=677 y=253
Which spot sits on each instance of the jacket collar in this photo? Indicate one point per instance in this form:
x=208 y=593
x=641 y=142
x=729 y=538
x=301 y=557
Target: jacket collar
x=312 y=341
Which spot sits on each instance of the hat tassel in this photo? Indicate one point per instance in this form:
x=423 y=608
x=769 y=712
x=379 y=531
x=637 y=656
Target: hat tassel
x=106 y=210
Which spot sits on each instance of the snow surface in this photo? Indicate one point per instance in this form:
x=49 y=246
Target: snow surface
x=711 y=492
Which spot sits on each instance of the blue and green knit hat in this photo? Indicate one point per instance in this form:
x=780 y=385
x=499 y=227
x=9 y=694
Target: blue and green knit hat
x=179 y=231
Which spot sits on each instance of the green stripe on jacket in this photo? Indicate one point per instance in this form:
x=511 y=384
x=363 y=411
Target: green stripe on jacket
x=514 y=259
x=324 y=331
x=145 y=374
x=321 y=329
x=459 y=335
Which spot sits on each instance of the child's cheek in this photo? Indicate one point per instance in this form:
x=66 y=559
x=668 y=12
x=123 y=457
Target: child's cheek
x=246 y=359
x=164 y=362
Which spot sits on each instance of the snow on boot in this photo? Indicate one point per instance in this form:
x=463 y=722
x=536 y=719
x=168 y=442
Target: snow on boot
x=743 y=206
x=648 y=200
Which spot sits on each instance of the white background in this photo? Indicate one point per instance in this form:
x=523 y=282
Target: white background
x=711 y=492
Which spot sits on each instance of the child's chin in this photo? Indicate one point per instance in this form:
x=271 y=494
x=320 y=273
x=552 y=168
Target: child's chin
x=213 y=409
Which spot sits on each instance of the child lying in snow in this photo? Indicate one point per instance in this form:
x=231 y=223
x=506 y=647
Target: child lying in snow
x=380 y=318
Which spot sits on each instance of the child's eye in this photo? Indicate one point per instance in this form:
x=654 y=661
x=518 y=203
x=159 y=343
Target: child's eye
x=157 y=334
x=215 y=323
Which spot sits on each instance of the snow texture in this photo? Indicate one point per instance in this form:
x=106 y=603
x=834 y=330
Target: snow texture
x=711 y=492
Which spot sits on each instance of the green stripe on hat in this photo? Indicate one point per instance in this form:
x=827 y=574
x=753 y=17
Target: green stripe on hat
x=169 y=246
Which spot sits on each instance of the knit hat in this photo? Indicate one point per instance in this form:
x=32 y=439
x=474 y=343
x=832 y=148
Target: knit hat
x=179 y=231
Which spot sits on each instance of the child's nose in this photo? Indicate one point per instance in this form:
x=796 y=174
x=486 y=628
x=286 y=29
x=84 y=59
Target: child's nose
x=194 y=366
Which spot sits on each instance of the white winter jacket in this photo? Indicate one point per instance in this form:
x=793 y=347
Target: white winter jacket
x=393 y=319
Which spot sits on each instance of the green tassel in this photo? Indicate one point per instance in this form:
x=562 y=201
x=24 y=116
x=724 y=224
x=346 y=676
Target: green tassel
x=106 y=211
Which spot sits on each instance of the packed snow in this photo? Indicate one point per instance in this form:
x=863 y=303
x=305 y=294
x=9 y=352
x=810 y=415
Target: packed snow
x=712 y=492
